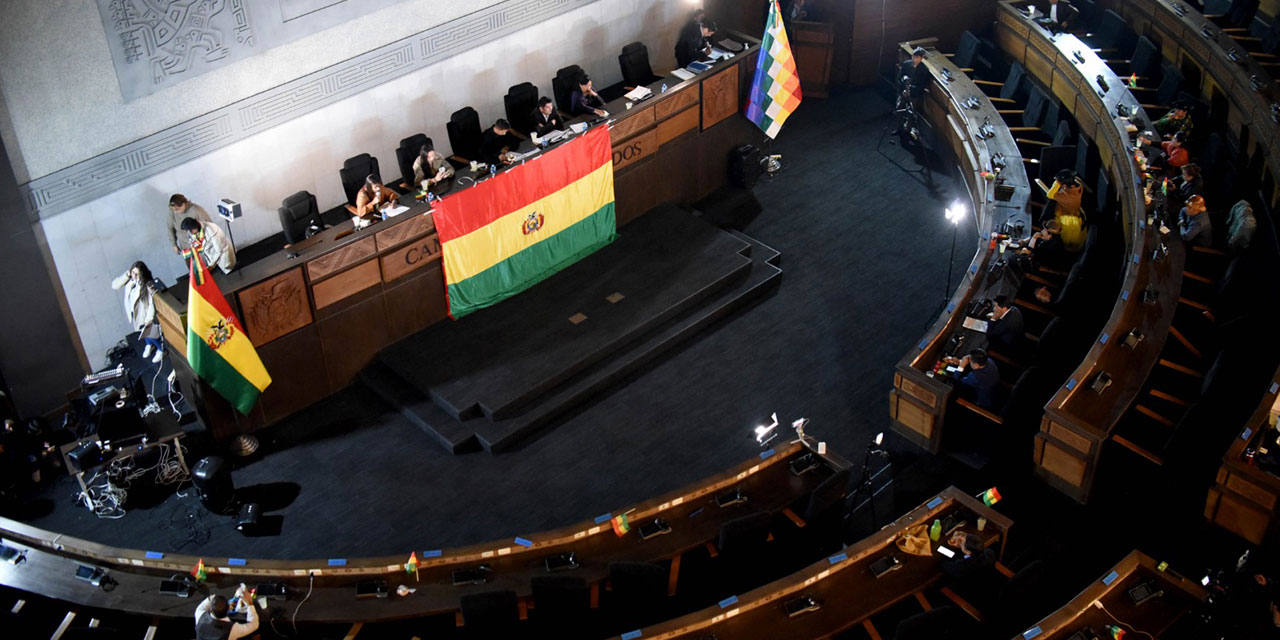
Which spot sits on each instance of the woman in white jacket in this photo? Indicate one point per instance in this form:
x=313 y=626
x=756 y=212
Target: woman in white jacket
x=140 y=309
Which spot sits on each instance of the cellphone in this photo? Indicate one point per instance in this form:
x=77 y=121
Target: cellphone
x=270 y=590
x=655 y=528
x=803 y=604
x=179 y=588
x=10 y=555
x=478 y=575
x=561 y=562
x=884 y=565
x=731 y=498
x=1143 y=593
x=92 y=575
x=372 y=589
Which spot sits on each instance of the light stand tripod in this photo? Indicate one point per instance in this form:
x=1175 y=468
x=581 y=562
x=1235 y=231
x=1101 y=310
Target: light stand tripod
x=905 y=123
x=866 y=480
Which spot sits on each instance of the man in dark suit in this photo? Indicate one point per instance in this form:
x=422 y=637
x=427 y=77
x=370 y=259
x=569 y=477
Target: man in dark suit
x=694 y=45
x=545 y=119
x=914 y=76
x=979 y=378
x=1005 y=328
x=498 y=143
x=970 y=559
x=1059 y=12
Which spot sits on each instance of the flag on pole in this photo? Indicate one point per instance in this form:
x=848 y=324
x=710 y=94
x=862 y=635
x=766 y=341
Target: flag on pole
x=218 y=349
x=1116 y=632
x=199 y=573
x=1133 y=81
x=990 y=496
x=620 y=525
x=412 y=565
x=775 y=92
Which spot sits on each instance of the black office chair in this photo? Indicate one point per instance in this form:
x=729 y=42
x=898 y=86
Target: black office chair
x=491 y=614
x=1113 y=35
x=639 y=594
x=562 y=605
x=1030 y=117
x=1165 y=94
x=941 y=623
x=1145 y=62
x=465 y=136
x=353 y=173
x=298 y=213
x=1013 y=90
x=1238 y=15
x=966 y=51
x=406 y=154
x=563 y=86
x=634 y=61
x=519 y=103
x=1089 y=15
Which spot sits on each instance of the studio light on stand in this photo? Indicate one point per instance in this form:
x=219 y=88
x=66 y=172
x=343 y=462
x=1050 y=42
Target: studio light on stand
x=874 y=448
x=954 y=213
x=766 y=434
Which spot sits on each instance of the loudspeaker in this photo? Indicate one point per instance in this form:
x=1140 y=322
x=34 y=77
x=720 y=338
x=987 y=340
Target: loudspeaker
x=212 y=477
x=744 y=166
x=86 y=455
x=247 y=521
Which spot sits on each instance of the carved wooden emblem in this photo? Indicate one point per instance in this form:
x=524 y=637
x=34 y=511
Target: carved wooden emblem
x=275 y=307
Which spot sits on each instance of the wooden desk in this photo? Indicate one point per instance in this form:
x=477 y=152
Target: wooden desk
x=319 y=312
x=692 y=513
x=1078 y=420
x=1245 y=497
x=843 y=583
x=1112 y=590
x=1203 y=53
x=918 y=401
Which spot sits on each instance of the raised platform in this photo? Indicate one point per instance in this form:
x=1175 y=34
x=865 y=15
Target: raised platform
x=502 y=373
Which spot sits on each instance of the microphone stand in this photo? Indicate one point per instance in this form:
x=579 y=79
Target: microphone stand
x=865 y=484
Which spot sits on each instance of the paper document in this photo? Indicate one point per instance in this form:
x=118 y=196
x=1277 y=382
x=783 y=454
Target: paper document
x=682 y=74
x=639 y=93
x=578 y=127
x=974 y=324
x=394 y=211
x=719 y=54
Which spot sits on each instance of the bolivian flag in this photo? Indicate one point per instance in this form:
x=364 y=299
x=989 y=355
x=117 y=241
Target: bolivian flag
x=218 y=349
x=990 y=496
x=518 y=228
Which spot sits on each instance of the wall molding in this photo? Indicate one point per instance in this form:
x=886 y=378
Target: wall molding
x=103 y=174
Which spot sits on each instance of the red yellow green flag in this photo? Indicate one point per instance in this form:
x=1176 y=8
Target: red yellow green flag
x=198 y=572
x=620 y=525
x=1133 y=81
x=990 y=496
x=1116 y=632
x=520 y=227
x=218 y=349
x=412 y=565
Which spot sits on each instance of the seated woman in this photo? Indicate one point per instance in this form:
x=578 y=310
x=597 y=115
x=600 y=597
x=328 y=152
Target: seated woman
x=373 y=197
x=140 y=308
x=1066 y=196
x=430 y=171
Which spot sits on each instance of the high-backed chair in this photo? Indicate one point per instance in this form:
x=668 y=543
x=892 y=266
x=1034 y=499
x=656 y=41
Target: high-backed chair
x=1165 y=94
x=966 y=51
x=1113 y=35
x=299 y=212
x=1238 y=15
x=1030 y=117
x=563 y=85
x=562 y=605
x=639 y=593
x=634 y=61
x=406 y=154
x=1014 y=88
x=1144 y=63
x=519 y=103
x=1086 y=160
x=465 y=136
x=490 y=614
x=353 y=173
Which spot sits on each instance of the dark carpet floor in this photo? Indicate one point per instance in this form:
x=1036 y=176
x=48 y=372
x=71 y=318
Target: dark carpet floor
x=864 y=257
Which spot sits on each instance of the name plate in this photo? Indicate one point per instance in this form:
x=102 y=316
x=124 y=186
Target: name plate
x=635 y=149
x=411 y=257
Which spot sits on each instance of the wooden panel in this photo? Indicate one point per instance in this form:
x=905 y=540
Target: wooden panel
x=635 y=149
x=175 y=334
x=681 y=123
x=300 y=355
x=719 y=97
x=813 y=46
x=350 y=339
x=682 y=100
x=419 y=225
x=918 y=392
x=1240 y=517
x=1059 y=462
x=1012 y=44
x=913 y=416
x=275 y=307
x=1260 y=495
x=416 y=302
x=1038 y=65
x=347 y=283
x=340 y=259
x=1070 y=438
x=635 y=122
x=411 y=257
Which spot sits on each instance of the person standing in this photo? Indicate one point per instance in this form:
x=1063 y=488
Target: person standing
x=140 y=308
x=213 y=617
x=179 y=208
x=214 y=247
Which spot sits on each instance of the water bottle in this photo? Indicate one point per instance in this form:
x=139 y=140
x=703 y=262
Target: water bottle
x=664 y=87
x=935 y=530
x=493 y=168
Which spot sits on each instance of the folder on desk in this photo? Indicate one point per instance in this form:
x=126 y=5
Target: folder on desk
x=682 y=74
x=698 y=67
x=974 y=324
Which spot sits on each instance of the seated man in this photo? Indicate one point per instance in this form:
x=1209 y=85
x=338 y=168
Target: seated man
x=1178 y=119
x=694 y=44
x=979 y=378
x=1046 y=247
x=971 y=557
x=1060 y=14
x=545 y=119
x=498 y=143
x=430 y=170
x=373 y=197
x=209 y=240
x=1005 y=328
x=584 y=100
x=1194 y=224
x=213 y=619
x=1190 y=183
